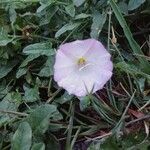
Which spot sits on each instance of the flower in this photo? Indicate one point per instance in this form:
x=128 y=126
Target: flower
x=82 y=67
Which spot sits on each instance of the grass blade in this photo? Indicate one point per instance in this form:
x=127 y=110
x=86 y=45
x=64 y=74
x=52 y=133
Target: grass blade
x=133 y=44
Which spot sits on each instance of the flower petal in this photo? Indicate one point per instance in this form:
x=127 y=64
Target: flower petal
x=97 y=54
x=61 y=73
x=73 y=84
x=95 y=77
x=77 y=48
x=81 y=80
x=62 y=60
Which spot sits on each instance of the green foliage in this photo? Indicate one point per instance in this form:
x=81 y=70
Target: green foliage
x=9 y=103
x=39 y=118
x=84 y=102
x=67 y=27
x=97 y=25
x=78 y=2
x=47 y=69
x=31 y=94
x=70 y=9
x=39 y=48
x=5 y=69
x=38 y=146
x=4 y=39
x=133 y=4
x=132 y=142
x=35 y=113
x=133 y=44
x=22 y=138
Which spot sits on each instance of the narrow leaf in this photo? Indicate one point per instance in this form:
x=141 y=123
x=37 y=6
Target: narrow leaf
x=39 y=48
x=65 y=28
x=133 y=44
x=97 y=25
x=5 y=69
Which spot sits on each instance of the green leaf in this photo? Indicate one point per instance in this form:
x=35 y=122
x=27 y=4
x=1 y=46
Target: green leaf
x=31 y=94
x=16 y=98
x=144 y=64
x=65 y=28
x=78 y=2
x=64 y=98
x=133 y=4
x=141 y=83
x=12 y=15
x=39 y=49
x=5 y=69
x=22 y=138
x=84 y=102
x=7 y=104
x=82 y=16
x=23 y=67
x=44 y=4
x=110 y=143
x=29 y=59
x=17 y=4
x=70 y=9
x=132 y=69
x=21 y=72
x=47 y=69
x=45 y=13
x=123 y=7
x=102 y=109
x=38 y=146
x=39 y=118
x=134 y=140
x=13 y=98
x=41 y=8
x=47 y=2
x=4 y=39
x=4 y=89
x=8 y=1
x=130 y=142
x=97 y=25
x=4 y=54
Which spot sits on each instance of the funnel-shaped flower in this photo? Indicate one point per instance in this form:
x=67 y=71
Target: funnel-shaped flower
x=82 y=66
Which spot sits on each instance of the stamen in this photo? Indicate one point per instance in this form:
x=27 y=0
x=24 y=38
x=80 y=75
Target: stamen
x=81 y=61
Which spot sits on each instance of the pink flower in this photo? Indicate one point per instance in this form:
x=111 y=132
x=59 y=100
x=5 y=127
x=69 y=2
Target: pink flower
x=82 y=66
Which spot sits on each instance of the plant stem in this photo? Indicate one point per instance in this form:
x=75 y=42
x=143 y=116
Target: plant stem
x=13 y=113
x=70 y=127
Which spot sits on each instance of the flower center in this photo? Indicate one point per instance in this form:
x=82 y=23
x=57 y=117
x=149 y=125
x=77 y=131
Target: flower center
x=81 y=61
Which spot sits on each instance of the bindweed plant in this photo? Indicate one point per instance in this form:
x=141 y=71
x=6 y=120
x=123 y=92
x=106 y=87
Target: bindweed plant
x=49 y=99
